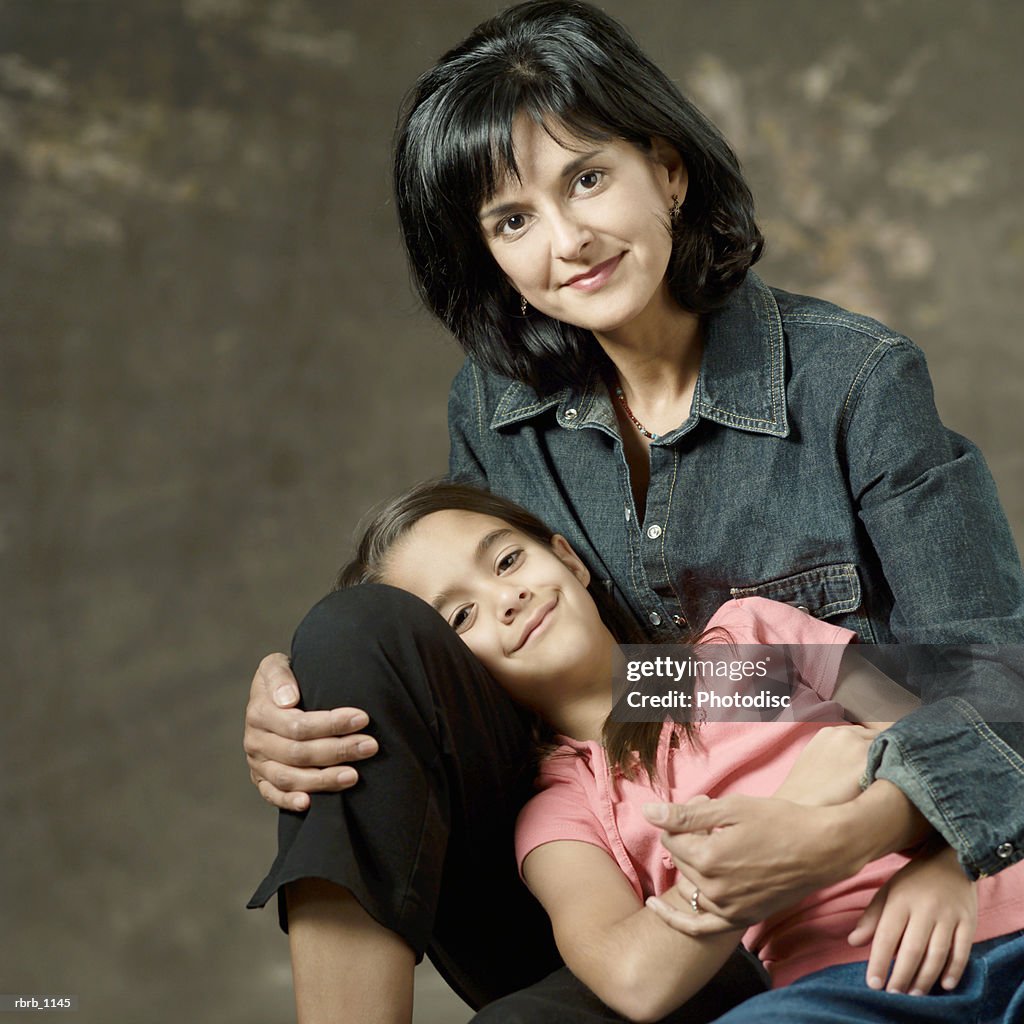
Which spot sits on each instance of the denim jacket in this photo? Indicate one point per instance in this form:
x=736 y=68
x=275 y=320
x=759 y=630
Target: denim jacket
x=813 y=469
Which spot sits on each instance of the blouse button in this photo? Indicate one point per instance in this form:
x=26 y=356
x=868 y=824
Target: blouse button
x=654 y=532
x=1004 y=850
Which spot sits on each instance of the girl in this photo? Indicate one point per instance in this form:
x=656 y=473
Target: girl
x=587 y=236
x=518 y=596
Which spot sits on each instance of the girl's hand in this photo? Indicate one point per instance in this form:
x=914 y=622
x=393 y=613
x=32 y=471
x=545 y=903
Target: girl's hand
x=829 y=768
x=925 y=916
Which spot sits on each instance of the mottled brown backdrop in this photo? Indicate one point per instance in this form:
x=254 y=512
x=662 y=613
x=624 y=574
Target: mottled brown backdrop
x=213 y=363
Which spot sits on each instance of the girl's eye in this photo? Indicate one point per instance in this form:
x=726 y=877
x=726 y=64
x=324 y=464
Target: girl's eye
x=589 y=180
x=506 y=562
x=511 y=224
x=460 y=619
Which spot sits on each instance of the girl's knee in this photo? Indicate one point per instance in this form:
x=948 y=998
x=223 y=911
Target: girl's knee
x=372 y=612
x=362 y=647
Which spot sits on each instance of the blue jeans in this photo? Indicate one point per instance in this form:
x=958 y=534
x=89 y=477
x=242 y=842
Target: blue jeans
x=990 y=992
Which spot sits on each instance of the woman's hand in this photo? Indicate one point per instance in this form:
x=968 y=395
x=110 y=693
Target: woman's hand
x=922 y=923
x=830 y=767
x=293 y=753
x=751 y=856
x=683 y=918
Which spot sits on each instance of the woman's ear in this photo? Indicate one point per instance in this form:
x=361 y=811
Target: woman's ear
x=565 y=554
x=667 y=157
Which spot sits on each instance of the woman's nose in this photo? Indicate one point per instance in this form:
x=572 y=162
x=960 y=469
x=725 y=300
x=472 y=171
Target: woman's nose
x=569 y=236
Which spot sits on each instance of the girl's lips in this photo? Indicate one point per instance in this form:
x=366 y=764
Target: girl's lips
x=595 y=277
x=537 y=623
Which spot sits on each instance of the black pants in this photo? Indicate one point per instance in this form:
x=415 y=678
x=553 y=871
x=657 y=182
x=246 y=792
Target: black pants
x=424 y=840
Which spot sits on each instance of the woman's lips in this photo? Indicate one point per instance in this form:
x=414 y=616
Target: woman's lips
x=595 y=277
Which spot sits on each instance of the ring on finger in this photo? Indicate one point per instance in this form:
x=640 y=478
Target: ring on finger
x=694 y=902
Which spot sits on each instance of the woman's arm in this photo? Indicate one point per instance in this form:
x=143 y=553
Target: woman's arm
x=930 y=507
x=629 y=958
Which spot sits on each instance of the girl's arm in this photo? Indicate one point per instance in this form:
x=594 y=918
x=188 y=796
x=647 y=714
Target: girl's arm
x=869 y=695
x=346 y=966
x=631 y=960
x=830 y=769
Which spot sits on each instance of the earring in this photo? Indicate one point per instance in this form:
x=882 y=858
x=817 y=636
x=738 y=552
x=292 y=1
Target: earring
x=673 y=214
x=523 y=305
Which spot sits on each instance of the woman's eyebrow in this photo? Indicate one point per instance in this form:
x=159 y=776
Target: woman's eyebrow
x=486 y=542
x=574 y=165
x=579 y=163
x=500 y=210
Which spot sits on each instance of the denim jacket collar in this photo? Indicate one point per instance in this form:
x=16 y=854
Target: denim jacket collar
x=741 y=382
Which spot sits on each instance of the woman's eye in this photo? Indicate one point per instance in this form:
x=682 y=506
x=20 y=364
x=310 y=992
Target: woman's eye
x=511 y=224
x=507 y=561
x=588 y=181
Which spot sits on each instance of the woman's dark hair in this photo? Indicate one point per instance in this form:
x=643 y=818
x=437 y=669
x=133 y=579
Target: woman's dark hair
x=626 y=743
x=577 y=72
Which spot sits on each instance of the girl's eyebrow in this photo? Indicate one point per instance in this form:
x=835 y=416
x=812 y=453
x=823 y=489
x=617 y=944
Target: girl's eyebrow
x=574 y=165
x=491 y=538
x=483 y=546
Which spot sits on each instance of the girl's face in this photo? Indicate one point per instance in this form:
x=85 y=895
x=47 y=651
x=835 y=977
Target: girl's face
x=584 y=235
x=521 y=606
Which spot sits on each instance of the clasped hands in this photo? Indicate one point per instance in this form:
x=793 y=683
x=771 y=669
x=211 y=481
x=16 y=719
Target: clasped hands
x=744 y=858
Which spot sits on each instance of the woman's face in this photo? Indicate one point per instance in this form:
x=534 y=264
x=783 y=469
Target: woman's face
x=521 y=606
x=584 y=235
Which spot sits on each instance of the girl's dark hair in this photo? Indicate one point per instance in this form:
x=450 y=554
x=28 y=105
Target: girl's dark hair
x=579 y=73
x=626 y=743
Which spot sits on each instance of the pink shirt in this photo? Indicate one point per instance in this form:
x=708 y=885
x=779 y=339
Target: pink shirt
x=580 y=799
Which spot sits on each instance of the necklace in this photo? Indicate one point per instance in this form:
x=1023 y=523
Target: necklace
x=629 y=412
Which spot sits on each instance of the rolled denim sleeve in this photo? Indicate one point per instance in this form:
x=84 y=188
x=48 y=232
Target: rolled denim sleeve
x=929 y=504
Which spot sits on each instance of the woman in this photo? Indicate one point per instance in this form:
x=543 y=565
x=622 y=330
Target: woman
x=587 y=236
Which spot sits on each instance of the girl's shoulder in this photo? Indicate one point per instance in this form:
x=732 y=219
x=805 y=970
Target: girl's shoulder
x=759 y=620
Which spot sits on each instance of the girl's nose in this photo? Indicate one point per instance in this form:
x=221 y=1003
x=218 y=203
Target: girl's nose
x=511 y=601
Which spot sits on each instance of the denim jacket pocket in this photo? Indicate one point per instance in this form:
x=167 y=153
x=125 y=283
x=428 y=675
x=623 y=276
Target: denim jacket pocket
x=830 y=592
